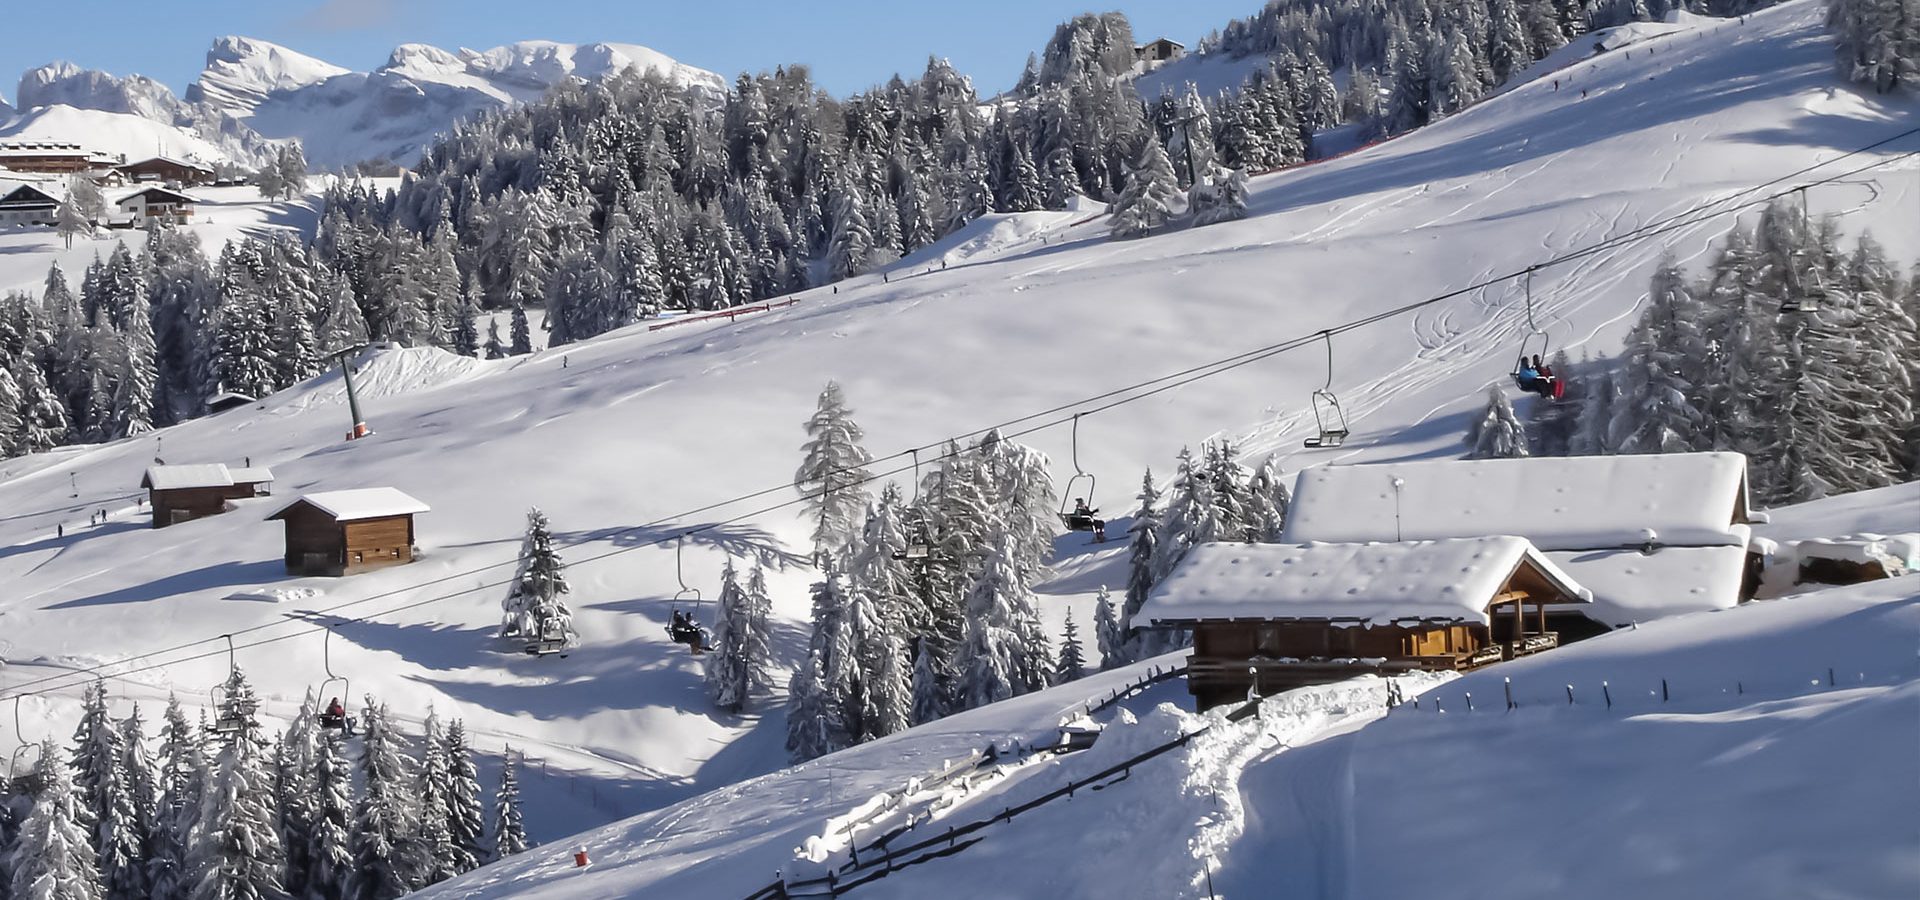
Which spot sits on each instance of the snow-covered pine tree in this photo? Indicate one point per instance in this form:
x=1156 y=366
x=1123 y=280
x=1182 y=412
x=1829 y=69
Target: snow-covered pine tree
x=235 y=849
x=1191 y=517
x=69 y=222
x=929 y=684
x=1072 y=665
x=822 y=687
x=522 y=335
x=1496 y=433
x=1269 y=499
x=881 y=701
x=535 y=605
x=466 y=825
x=1597 y=394
x=180 y=777
x=737 y=665
x=137 y=772
x=1234 y=511
x=105 y=799
x=329 y=854
x=466 y=334
x=1020 y=486
x=1659 y=408
x=1879 y=43
x=1226 y=198
x=509 y=829
x=1143 y=538
x=1147 y=202
x=493 y=348
x=993 y=661
x=1109 y=636
x=851 y=249
x=53 y=857
x=431 y=839
x=833 y=474
x=385 y=863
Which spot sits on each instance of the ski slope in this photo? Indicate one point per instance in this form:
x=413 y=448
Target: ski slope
x=618 y=437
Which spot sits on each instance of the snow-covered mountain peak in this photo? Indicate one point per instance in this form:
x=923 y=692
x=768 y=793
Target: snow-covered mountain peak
x=62 y=82
x=425 y=59
x=242 y=71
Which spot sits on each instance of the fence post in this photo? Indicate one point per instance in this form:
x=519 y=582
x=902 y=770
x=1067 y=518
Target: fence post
x=1664 y=696
x=1507 y=683
x=1469 y=701
x=1830 y=676
x=1608 y=693
x=1740 y=687
x=1569 y=695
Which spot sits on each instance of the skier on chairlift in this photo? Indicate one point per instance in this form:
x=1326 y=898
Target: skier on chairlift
x=1535 y=377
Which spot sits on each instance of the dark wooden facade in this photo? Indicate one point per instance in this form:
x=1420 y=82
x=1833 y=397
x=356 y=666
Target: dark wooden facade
x=172 y=506
x=169 y=171
x=1235 y=657
x=319 y=544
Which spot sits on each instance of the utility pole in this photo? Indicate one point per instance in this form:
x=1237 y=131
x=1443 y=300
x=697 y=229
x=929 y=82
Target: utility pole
x=359 y=429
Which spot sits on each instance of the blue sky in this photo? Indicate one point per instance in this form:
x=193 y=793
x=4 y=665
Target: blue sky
x=851 y=44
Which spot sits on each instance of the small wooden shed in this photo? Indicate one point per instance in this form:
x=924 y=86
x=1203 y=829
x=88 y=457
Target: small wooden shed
x=1273 y=617
x=183 y=493
x=343 y=532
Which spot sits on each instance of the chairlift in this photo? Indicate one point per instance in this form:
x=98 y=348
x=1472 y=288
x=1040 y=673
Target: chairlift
x=1084 y=515
x=683 y=627
x=328 y=718
x=548 y=638
x=1530 y=372
x=231 y=714
x=913 y=520
x=23 y=768
x=1328 y=416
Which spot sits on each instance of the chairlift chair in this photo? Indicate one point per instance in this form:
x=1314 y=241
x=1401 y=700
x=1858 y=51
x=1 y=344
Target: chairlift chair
x=341 y=721
x=919 y=546
x=548 y=639
x=23 y=769
x=1555 y=387
x=1084 y=516
x=683 y=627
x=1329 y=418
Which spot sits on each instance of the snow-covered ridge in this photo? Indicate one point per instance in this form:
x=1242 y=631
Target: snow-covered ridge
x=242 y=71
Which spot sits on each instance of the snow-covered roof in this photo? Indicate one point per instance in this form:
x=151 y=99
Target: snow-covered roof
x=360 y=503
x=173 y=478
x=1448 y=580
x=1630 y=586
x=27 y=195
x=1558 y=503
x=156 y=195
x=168 y=160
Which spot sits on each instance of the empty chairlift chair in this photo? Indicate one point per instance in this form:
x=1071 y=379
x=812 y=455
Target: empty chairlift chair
x=1329 y=418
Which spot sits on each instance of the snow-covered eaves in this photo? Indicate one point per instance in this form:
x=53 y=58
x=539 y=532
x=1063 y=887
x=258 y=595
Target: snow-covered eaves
x=156 y=195
x=174 y=478
x=357 y=504
x=1558 y=503
x=251 y=475
x=1631 y=586
x=1450 y=580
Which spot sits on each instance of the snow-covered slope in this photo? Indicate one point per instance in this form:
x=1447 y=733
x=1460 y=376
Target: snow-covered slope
x=343 y=117
x=131 y=134
x=616 y=437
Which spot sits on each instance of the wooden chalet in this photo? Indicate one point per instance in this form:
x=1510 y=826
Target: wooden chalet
x=344 y=532
x=45 y=157
x=29 y=205
x=1271 y=617
x=1159 y=50
x=169 y=207
x=1650 y=535
x=183 y=493
x=167 y=170
x=226 y=400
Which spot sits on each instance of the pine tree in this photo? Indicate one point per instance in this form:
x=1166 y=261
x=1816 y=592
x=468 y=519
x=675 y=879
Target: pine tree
x=1659 y=410
x=1110 y=636
x=1142 y=548
x=1497 y=432
x=1191 y=518
x=53 y=856
x=737 y=667
x=432 y=840
x=466 y=335
x=105 y=799
x=1146 y=204
x=1223 y=200
x=509 y=832
x=143 y=798
x=181 y=777
x=822 y=687
x=9 y=415
x=1269 y=499
x=236 y=852
x=833 y=474
x=329 y=856
x=522 y=335
x=851 y=250
x=466 y=825
x=69 y=222
x=1597 y=394
x=494 y=349
x=1072 y=664
x=534 y=605
x=997 y=660
x=385 y=861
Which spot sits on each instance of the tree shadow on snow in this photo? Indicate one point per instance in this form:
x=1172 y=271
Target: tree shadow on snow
x=733 y=539
x=227 y=574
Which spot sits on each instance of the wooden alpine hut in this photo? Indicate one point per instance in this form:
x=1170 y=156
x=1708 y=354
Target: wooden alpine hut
x=345 y=532
x=1271 y=617
x=183 y=493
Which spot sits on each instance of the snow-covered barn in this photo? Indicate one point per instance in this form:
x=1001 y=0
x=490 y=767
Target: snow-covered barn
x=1650 y=536
x=344 y=532
x=183 y=493
x=1280 y=616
